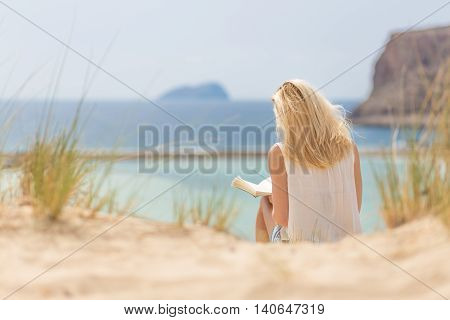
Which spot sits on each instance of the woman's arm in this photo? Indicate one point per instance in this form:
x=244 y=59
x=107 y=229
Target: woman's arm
x=280 y=198
x=358 y=178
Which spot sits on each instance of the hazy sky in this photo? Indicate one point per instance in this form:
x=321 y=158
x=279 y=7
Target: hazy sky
x=250 y=46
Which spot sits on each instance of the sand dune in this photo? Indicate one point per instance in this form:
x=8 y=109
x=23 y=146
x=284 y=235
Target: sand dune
x=140 y=259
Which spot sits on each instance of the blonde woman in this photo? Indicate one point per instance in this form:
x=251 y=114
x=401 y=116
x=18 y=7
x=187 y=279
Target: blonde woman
x=315 y=171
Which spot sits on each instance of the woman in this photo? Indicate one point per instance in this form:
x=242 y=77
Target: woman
x=315 y=171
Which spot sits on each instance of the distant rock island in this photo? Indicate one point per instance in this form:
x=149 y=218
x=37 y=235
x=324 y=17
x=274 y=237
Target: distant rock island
x=398 y=81
x=210 y=91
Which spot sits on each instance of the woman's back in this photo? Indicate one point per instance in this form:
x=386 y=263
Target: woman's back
x=322 y=202
x=319 y=198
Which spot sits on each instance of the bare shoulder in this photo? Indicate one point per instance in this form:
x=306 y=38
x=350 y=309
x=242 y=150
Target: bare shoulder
x=276 y=160
x=275 y=153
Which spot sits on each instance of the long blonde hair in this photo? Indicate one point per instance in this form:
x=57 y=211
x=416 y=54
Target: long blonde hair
x=314 y=132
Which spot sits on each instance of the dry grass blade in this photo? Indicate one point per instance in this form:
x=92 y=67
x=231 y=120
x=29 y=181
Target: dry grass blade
x=214 y=210
x=417 y=183
x=53 y=171
x=56 y=174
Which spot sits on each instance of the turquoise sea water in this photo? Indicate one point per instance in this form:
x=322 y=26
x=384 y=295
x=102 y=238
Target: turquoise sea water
x=115 y=126
x=144 y=187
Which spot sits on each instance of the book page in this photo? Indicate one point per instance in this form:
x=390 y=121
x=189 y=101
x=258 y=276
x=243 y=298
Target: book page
x=262 y=189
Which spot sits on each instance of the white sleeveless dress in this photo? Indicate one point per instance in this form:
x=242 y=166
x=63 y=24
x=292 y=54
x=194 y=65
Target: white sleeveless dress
x=322 y=202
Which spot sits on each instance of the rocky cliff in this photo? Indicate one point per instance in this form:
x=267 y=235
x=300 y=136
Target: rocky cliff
x=402 y=75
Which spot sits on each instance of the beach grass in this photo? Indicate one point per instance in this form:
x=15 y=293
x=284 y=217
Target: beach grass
x=54 y=174
x=97 y=195
x=214 y=209
x=52 y=171
x=417 y=182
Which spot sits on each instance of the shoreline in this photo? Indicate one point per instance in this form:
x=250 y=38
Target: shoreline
x=124 y=156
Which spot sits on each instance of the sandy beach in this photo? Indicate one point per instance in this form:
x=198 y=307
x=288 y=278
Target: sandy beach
x=138 y=259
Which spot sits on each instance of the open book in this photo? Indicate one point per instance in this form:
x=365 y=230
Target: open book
x=264 y=188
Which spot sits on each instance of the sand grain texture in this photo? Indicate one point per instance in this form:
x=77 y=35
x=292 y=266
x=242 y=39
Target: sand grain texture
x=149 y=260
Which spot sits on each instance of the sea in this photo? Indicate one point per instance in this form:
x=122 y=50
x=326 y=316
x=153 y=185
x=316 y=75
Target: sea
x=230 y=128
